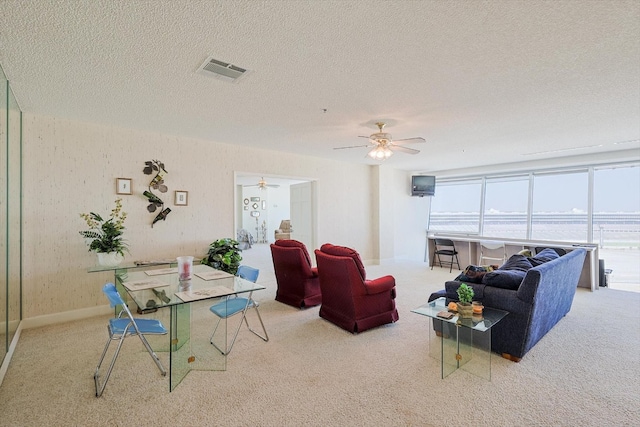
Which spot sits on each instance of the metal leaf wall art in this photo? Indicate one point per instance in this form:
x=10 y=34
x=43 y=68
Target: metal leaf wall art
x=157 y=183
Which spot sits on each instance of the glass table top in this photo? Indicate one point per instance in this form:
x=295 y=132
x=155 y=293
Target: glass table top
x=482 y=323
x=161 y=287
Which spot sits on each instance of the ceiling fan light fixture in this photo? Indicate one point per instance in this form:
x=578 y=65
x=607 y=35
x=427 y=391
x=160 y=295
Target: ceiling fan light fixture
x=380 y=153
x=381 y=145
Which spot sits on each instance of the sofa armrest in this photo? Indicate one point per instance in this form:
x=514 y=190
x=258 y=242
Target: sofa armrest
x=379 y=285
x=529 y=286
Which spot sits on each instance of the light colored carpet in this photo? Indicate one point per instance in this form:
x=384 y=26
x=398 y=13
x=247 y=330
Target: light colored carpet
x=585 y=372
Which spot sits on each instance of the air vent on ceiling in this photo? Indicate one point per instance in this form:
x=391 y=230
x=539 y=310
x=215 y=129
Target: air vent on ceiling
x=222 y=70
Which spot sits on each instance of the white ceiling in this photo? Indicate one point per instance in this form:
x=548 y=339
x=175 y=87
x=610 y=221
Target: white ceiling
x=485 y=82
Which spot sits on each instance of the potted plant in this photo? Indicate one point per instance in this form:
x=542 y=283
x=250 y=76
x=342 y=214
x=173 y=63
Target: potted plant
x=224 y=254
x=465 y=296
x=106 y=235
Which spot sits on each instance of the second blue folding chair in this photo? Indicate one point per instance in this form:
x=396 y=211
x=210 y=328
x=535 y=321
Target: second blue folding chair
x=237 y=305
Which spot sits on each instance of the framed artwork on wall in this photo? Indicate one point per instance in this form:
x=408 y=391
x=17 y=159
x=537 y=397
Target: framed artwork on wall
x=255 y=214
x=181 y=198
x=264 y=204
x=254 y=206
x=123 y=185
x=255 y=199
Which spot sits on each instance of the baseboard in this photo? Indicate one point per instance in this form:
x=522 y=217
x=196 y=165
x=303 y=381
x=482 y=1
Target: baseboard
x=65 y=316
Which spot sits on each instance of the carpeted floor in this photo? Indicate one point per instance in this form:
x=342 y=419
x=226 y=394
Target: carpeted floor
x=585 y=372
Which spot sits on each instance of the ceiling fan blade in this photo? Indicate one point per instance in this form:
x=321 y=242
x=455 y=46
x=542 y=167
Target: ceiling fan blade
x=408 y=140
x=352 y=146
x=273 y=185
x=403 y=149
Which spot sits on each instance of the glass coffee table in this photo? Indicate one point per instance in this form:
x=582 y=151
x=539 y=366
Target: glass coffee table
x=461 y=343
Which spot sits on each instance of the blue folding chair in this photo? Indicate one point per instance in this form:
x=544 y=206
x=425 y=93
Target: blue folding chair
x=231 y=306
x=121 y=327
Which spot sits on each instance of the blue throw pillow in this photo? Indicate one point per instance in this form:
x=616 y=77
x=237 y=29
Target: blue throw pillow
x=506 y=279
x=545 y=255
x=516 y=262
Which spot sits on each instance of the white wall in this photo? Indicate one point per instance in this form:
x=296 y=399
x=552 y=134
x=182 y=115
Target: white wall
x=70 y=167
x=411 y=215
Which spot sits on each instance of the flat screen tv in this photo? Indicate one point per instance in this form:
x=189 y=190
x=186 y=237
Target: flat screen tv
x=423 y=185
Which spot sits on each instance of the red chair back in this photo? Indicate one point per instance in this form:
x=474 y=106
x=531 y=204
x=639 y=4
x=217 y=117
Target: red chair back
x=298 y=283
x=348 y=300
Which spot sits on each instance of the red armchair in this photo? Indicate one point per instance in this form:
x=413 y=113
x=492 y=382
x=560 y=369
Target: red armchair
x=298 y=283
x=349 y=300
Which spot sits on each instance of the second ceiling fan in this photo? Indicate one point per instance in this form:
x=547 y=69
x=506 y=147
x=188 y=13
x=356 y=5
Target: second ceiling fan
x=262 y=184
x=382 y=144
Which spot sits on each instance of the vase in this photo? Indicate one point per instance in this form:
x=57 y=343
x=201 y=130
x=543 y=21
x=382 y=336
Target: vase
x=465 y=310
x=109 y=259
x=185 y=267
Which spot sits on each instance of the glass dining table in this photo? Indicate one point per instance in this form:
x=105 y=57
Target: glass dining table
x=189 y=320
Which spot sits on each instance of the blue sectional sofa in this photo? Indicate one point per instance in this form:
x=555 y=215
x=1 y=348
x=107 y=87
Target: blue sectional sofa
x=536 y=291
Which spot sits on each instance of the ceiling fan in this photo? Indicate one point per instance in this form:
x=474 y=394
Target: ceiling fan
x=262 y=184
x=382 y=145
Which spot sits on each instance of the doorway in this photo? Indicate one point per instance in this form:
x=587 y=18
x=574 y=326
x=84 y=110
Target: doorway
x=264 y=201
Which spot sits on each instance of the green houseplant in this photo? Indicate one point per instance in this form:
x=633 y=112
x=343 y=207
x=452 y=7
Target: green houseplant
x=224 y=254
x=465 y=296
x=105 y=235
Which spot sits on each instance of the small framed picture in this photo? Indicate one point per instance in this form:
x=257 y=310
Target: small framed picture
x=255 y=199
x=255 y=214
x=264 y=204
x=246 y=208
x=254 y=206
x=123 y=185
x=182 y=198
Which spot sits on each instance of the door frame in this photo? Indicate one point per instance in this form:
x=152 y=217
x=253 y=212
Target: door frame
x=240 y=178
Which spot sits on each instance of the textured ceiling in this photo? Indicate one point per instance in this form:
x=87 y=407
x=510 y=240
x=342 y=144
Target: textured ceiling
x=484 y=82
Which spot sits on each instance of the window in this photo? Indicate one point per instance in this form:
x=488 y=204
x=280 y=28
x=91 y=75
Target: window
x=456 y=207
x=505 y=207
x=616 y=214
x=560 y=207
x=616 y=224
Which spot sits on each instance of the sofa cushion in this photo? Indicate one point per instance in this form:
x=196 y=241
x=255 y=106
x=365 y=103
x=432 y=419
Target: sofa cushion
x=335 y=250
x=506 y=279
x=294 y=244
x=517 y=262
x=545 y=255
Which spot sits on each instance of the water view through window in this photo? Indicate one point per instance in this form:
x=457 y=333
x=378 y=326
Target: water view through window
x=552 y=206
